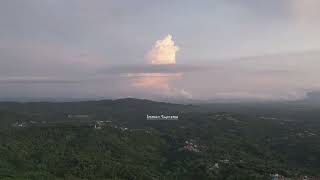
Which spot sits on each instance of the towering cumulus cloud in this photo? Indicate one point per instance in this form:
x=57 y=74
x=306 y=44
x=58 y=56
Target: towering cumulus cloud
x=163 y=52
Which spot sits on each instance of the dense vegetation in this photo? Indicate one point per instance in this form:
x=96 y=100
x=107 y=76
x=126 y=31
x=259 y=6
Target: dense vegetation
x=203 y=144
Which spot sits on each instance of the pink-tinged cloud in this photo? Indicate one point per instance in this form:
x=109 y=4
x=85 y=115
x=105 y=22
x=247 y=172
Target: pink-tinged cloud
x=154 y=81
x=163 y=52
x=304 y=10
x=159 y=83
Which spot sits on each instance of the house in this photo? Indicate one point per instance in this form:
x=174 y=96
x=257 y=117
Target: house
x=20 y=124
x=191 y=146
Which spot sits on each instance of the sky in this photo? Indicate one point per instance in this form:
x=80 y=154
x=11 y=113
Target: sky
x=183 y=49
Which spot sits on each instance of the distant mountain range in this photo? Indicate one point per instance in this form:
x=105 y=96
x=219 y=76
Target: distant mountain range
x=311 y=98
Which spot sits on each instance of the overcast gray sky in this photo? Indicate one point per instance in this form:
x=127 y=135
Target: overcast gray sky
x=226 y=49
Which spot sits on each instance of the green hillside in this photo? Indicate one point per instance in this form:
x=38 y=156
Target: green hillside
x=202 y=144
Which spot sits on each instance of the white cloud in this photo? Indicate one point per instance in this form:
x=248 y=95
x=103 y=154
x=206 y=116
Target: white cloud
x=163 y=52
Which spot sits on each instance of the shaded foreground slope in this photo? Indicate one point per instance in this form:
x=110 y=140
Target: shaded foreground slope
x=202 y=144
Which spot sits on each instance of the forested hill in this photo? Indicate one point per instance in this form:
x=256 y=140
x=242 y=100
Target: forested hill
x=112 y=139
x=112 y=109
x=92 y=106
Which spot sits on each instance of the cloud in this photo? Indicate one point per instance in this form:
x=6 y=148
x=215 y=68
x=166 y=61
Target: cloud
x=85 y=36
x=157 y=77
x=45 y=59
x=160 y=83
x=156 y=68
x=273 y=77
x=152 y=81
x=305 y=10
x=163 y=52
x=262 y=96
x=182 y=93
x=36 y=80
